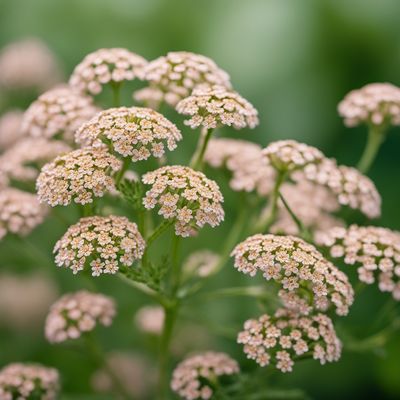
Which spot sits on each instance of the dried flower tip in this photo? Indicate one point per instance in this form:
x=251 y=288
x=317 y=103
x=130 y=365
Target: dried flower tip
x=77 y=176
x=25 y=300
x=10 y=128
x=20 y=212
x=374 y=104
x=195 y=377
x=28 y=381
x=106 y=66
x=213 y=106
x=58 y=113
x=132 y=371
x=186 y=196
x=289 y=155
x=351 y=188
x=22 y=162
x=101 y=242
x=28 y=64
x=150 y=319
x=173 y=77
x=312 y=204
x=202 y=263
x=133 y=132
x=245 y=161
x=307 y=280
x=285 y=336
x=76 y=313
x=374 y=251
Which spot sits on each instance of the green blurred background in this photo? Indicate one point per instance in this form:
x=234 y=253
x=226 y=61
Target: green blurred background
x=294 y=60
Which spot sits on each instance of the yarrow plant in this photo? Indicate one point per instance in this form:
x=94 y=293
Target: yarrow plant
x=137 y=211
x=77 y=313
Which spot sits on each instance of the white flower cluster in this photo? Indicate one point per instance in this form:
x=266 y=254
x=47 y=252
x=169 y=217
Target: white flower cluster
x=10 y=128
x=245 y=161
x=280 y=338
x=150 y=319
x=105 y=66
x=307 y=280
x=213 y=106
x=76 y=313
x=133 y=132
x=28 y=64
x=173 y=77
x=20 y=212
x=102 y=242
x=58 y=113
x=22 y=161
x=28 y=381
x=186 y=196
x=77 y=176
x=194 y=377
x=374 y=251
x=374 y=104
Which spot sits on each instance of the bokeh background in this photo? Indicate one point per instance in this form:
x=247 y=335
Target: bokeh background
x=294 y=60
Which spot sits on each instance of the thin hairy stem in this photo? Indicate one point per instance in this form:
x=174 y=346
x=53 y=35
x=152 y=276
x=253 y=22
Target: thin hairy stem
x=170 y=314
x=376 y=136
x=304 y=232
x=116 y=89
x=270 y=217
x=121 y=172
x=197 y=159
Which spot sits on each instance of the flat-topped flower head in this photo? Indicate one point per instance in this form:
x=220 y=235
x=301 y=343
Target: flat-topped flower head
x=134 y=132
x=23 y=161
x=150 y=319
x=29 y=381
x=285 y=336
x=201 y=263
x=76 y=313
x=214 y=106
x=185 y=196
x=58 y=113
x=374 y=251
x=289 y=155
x=245 y=161
x=306 y=279
x=105 y=66
x=196 y=376
x=375 y=104
x=351 y=187
x=28 y=64
x=102 y=243
x=77 y=176
x=20 y=212
x=10 y=128
x=173 y=77
x=313 y=204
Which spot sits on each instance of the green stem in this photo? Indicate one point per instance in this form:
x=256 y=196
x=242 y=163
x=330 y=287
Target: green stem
x=197 y=159
x=159 y=231
x=176 y=265
x=165 y=342
x=376 y=136
x=142 y=288
x=303 y=231
x=270 y=217
x=116 y=89
x=98 y=356
x=121 y=172
x=88 y=209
